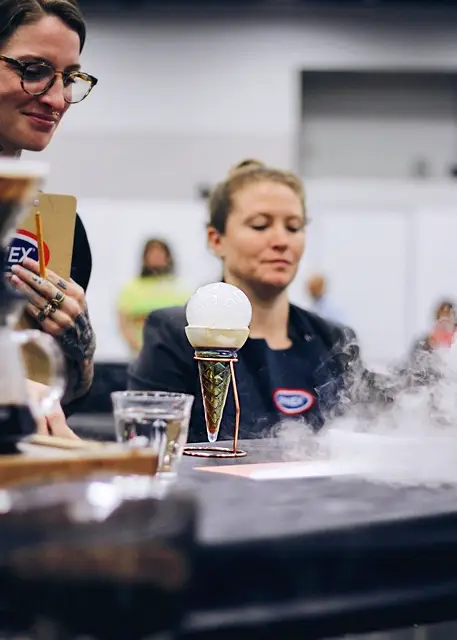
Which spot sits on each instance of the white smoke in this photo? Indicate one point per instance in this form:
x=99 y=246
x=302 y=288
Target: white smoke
x=412 y=440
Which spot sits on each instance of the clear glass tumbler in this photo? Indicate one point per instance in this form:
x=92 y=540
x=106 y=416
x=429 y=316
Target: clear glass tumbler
x=154 y=419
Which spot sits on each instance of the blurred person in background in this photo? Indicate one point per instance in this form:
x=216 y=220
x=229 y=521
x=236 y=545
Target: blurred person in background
x=444 y=328
x=294 y=364
x=40 y=78
x=321 y=302
x=156 y=287
x=423 y=364
x=441 y=334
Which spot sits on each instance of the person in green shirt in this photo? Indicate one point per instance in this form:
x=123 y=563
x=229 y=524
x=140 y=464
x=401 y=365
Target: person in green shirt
x=156 y=287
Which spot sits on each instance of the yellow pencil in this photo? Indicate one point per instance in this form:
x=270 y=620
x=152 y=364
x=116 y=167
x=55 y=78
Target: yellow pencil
x=40 y=242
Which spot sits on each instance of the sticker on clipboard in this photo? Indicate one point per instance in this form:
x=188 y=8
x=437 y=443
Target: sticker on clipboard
x=24 y=244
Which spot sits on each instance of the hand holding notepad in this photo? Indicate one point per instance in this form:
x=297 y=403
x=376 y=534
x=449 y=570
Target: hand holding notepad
x=46 y=238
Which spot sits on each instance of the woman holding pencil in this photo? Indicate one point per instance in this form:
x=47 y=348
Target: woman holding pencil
x=40 y=78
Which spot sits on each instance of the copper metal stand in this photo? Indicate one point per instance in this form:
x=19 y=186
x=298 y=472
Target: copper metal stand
x=203 y=451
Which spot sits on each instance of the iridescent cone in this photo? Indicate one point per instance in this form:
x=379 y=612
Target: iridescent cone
x=215 y=379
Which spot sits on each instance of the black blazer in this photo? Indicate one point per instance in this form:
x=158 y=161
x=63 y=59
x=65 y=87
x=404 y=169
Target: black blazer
x=324 y=362
x=81 y=261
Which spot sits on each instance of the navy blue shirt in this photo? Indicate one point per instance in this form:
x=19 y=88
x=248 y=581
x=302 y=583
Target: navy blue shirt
x=292 y=381
x=304 y=382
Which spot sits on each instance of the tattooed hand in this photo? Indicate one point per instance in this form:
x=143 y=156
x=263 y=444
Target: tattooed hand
x=59 y=306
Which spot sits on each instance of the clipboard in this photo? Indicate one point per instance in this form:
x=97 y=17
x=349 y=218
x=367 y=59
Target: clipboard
x=58 y=215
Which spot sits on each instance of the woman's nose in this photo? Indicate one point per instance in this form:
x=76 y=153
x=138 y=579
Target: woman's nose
x=54 y=96
x=280 y=236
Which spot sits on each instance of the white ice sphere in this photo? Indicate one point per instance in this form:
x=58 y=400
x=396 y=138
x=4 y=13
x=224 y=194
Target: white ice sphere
x=219 y=306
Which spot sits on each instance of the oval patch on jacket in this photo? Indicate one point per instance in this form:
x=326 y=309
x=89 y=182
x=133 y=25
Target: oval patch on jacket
x=23 y=245
x=293 y=401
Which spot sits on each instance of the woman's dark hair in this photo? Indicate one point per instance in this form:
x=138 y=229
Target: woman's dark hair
x=247 y=172
x=157 y=242
x=15 y=13
x=444 y=305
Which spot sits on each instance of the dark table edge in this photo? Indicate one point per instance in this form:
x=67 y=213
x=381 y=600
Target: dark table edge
x=325 y=618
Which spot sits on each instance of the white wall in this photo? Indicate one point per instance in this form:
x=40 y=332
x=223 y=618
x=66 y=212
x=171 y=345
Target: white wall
x=239 y=77
x=388 y=249
x=177 y=103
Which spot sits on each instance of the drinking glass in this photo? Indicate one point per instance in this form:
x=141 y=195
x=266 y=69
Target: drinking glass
x=154 y=419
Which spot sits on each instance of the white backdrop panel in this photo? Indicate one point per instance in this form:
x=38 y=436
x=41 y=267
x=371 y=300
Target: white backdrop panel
x=364 y=255
x=436 y=259
x=117 y=231
x=387 y=266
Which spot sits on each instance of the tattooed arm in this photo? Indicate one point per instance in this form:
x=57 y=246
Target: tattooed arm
x=60 y=307
x=78 y=345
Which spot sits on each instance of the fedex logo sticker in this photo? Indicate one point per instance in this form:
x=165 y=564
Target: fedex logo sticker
x=23 y=245
x=293 y=401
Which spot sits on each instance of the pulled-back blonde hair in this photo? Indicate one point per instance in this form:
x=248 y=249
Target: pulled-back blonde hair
x=247 y=172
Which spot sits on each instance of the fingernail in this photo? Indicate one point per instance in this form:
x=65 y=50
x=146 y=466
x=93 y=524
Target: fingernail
x=15 y=268
x=15 y=280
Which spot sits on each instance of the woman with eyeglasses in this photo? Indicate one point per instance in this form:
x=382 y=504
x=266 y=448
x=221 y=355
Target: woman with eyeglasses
x=40 y=78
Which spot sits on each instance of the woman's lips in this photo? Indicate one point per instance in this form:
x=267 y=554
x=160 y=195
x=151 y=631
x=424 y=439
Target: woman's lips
x=41 y=121
x=279 y=263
